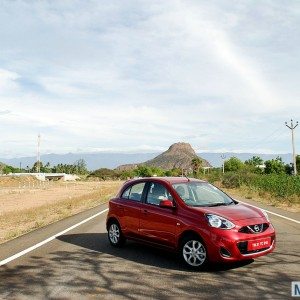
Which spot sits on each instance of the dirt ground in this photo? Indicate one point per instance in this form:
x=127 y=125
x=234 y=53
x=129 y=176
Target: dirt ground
x=36 y=193
x=27 y=203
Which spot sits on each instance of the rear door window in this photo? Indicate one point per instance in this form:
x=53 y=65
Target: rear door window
x=134 y=192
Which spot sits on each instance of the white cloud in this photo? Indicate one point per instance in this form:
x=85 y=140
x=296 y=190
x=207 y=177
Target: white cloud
x=7 y=81
x=113 y=75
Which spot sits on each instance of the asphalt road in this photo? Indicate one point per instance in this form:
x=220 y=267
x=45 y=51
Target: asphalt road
x=82 y=264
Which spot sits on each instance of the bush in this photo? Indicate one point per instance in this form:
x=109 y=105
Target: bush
x=213 y=176
x=231 y=180
x=278 y=185
x=233 y=164
x=104 y=174
x=275 y=166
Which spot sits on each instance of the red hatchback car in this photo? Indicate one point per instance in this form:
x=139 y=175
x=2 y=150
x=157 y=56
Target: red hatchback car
x=190 y=216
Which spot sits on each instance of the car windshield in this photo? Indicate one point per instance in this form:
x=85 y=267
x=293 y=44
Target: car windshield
x=201 y=194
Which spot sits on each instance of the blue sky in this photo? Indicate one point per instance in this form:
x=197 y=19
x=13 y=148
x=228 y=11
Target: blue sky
x=132 y=76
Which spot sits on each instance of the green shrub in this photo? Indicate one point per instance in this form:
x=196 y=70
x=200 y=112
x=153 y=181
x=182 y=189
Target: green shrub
x=278 y=185
x=233 y=164
x=231 y=180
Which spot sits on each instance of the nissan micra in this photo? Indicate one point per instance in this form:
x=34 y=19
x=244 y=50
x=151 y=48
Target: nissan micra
x=192 y=217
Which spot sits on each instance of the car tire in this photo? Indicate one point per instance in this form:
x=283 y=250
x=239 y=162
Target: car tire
x=193 y=252
x=115 y=235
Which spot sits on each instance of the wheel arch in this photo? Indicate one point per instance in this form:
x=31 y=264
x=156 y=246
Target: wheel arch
x=188 y=233
x=110 y=220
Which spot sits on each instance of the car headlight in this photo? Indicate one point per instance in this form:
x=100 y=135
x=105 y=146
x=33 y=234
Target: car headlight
x=265 y=214
x=219 y=222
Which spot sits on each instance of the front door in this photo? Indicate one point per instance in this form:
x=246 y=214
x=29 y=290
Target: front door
x=158 y=224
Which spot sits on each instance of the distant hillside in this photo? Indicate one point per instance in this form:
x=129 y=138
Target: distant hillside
x=179 y=155
x=94 y=160
x=112 y=160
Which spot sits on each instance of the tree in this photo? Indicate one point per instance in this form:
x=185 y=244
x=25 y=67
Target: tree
x=9 y=169
x=143 y=171
x=146 y=171
x=289 y=169
x=298 y=164
x=125 y=174
x=253 y=164
x=174 y=172
x=81 y=167
x=196 y=164
x=47 y=168
x=275 y=166
x=35 y=167
x=233 y=164
x=254 y=161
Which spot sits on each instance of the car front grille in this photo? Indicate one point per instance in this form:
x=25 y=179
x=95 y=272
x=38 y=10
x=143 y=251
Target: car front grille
x=257 y=228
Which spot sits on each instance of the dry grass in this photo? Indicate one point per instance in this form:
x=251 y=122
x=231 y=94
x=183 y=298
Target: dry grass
x=84 y=195
x=291 y=204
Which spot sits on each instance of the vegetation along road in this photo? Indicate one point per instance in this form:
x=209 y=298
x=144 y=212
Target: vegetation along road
x=81 y=263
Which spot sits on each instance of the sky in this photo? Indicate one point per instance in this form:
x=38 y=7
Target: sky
x=137 y=76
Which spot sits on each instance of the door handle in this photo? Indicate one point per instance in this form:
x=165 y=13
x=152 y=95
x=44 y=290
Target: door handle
x=145 y=211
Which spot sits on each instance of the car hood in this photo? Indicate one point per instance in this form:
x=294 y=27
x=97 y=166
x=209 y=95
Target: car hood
x=234 y=212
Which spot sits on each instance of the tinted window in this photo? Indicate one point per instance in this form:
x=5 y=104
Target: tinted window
x=134 y=192
x=156 y=193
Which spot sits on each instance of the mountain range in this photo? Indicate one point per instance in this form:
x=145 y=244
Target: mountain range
x=112 y=160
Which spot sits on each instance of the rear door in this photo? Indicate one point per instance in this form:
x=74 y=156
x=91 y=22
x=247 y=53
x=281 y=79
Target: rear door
x=158 y=224
x=129 y=208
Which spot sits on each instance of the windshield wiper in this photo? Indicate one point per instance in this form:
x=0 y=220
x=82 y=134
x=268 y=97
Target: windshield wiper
x=217 y=204
x=220 y=204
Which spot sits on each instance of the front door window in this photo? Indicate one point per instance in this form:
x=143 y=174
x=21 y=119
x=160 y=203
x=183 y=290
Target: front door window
x=156 y=193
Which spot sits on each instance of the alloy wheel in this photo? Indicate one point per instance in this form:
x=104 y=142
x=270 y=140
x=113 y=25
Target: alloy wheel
x=114 y=233
x=194 y=253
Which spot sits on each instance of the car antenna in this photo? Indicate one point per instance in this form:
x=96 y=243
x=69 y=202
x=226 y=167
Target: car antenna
x=187 y=178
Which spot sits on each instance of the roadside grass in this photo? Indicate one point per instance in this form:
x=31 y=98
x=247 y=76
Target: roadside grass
x=14 y=224
x=291 y=203
x=279 y=190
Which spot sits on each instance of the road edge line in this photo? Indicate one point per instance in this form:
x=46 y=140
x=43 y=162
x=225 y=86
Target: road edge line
x=19 y=254
x=273 y=213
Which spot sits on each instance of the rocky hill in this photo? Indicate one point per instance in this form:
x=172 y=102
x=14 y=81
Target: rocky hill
x=179 y=155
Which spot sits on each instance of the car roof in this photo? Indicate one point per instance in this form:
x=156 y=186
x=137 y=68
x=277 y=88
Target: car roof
x=170 y=180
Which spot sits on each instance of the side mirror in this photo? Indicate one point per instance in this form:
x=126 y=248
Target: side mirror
x=166 y=203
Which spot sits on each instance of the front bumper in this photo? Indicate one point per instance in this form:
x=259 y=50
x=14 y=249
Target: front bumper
x=231 y=245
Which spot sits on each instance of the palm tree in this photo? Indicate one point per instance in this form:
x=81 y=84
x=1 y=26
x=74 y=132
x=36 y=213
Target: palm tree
x=196 y=164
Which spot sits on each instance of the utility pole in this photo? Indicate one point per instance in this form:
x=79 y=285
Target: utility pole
x=292 y=128
x=223 y=156
x=38 y=156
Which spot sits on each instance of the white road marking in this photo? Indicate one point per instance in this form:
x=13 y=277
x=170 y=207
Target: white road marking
x=15 y=256
x=272 y=213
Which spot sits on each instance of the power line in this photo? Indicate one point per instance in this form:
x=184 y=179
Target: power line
x=268 y=139
x=292 y=128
